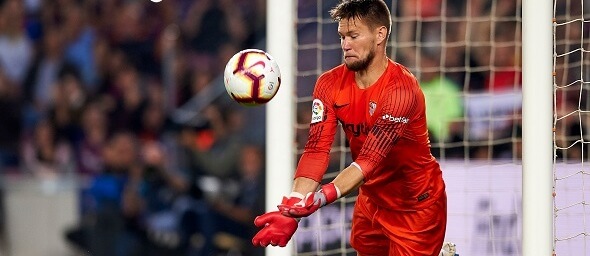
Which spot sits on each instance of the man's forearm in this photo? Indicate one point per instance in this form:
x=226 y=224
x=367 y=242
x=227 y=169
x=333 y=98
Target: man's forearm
x=305 y=200
x=304 y=185
x=348 y=179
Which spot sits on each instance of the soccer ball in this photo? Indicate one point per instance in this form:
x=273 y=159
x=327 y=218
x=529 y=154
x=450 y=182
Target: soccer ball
x=252 y=77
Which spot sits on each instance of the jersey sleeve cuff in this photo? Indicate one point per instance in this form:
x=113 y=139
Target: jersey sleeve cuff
x=362 y=169
x=312 y=166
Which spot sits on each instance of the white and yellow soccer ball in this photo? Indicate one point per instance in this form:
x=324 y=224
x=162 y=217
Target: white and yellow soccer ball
x=252 y=77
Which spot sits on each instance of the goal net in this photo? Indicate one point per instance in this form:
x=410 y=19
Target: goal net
x=571 y=123
x=467 y=57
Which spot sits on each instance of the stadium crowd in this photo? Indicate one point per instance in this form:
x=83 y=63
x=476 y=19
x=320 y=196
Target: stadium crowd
x=88 y=88
x=91 y=89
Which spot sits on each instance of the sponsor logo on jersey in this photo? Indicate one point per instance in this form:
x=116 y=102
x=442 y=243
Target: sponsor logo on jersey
x=372 y=107
x=396 y=119
x=356 y=129
x=317 y=111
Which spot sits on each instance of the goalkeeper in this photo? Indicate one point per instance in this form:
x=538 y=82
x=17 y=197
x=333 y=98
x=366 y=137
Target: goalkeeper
x=402 y=206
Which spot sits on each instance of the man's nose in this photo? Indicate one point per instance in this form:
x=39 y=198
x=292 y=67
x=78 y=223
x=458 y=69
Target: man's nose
x=345 y=45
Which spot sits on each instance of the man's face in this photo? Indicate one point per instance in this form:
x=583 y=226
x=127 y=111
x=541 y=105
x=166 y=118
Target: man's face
x=358 y=43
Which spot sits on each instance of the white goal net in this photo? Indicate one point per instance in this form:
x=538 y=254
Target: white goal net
x=571 y=123
x=467 y=56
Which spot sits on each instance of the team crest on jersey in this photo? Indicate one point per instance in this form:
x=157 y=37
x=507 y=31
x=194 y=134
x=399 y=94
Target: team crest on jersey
x=372 y=107
x=317 y=111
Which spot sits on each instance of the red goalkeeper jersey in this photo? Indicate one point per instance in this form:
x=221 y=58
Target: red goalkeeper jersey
x=385 y=125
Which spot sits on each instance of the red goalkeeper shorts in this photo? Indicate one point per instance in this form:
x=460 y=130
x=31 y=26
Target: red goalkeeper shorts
x=378 y=231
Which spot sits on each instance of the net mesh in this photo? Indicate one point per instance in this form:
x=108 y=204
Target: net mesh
x=467 y=56
x=571 y=120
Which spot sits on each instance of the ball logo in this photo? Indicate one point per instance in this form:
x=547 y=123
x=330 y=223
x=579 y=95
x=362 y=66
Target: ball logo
x=260 y=65
x=317 y=111
x=241 y=67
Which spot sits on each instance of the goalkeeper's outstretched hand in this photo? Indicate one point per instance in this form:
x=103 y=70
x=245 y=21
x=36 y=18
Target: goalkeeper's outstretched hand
x=277 y=229
x=311 y=203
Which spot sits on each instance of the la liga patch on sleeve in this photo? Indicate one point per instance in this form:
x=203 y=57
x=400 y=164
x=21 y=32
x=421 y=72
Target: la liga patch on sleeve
x=317 y=111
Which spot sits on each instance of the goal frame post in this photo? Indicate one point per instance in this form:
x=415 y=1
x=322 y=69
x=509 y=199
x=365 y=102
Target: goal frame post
x=537 y=124
x=281 y=110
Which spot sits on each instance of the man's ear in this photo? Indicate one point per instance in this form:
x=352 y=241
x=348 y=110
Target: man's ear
x=381 y=34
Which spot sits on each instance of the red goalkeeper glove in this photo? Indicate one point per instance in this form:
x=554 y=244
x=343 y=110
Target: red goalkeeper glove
x=312 y=202
x=276 y=229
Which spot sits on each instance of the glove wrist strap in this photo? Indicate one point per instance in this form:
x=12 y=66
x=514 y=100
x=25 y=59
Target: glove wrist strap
x=331 y=192
x=296 y=195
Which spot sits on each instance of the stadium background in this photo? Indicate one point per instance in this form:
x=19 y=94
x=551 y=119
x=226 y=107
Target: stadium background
x=73 y=73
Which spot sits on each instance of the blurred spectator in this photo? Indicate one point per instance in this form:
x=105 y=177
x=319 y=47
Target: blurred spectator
x=206 y=26
x=227 y=223
x=89 y=152
x=153 y=123
x=43 y=73
x=444 y=103
x=137 y=40
x=217 y=146
x=195 y=83
x=112 y=225
x=185 y=162
x=155 y=93
x=129 y=99
x=94 y=125
x=436 y=23
x=81 y=38
x=111 y=62
x=165 y=200
x=135 y=194
x=10 y=130
x=504 y=58
x=494 y=45
x=45 y=155
x=16 y=49
x=68 y=101
x=444 y=106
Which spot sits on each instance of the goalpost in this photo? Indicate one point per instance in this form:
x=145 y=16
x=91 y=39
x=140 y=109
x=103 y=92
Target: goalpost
x=537 y=153
x=499 y=200
x=280 y=112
